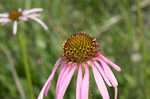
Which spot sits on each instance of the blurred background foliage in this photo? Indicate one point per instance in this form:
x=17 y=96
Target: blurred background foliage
x=112 y=22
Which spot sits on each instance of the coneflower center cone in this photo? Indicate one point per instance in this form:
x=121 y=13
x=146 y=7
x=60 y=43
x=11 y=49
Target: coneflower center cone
x=14 y=15
x=80 y=48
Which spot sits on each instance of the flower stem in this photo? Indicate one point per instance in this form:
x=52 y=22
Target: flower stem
x=144 y=51
x=25 y=60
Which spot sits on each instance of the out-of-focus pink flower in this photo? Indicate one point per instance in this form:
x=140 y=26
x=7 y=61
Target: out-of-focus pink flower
x=19 y=15
x=80 y=52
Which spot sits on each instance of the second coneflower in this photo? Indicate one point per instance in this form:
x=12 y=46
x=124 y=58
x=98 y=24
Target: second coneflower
x=80 y=52
x=19 y=15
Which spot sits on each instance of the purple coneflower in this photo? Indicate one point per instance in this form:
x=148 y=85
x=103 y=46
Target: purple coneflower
x=80 y=52
x=15 y=16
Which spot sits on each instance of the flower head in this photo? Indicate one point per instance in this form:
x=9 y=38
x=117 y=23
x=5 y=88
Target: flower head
x=14 y=15
x=80 y=52
x=19 y=15
x=80 y=48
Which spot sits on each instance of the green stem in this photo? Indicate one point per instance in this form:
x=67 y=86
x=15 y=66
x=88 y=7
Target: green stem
x=25 y=60
x=144 y=51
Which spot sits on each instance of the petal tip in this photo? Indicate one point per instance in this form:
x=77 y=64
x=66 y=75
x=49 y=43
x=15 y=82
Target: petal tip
x=119 y=70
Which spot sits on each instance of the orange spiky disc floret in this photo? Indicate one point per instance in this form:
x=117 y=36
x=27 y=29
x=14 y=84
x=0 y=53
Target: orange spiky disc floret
x=80 y=48
x=14 y=15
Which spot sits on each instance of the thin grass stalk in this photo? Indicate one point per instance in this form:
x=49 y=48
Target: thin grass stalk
x=15 y=76
x=144 y=51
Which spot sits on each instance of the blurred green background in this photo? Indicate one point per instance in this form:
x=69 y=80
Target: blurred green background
x=113 y=23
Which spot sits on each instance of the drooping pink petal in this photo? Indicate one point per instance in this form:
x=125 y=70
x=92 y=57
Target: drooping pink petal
x=117 y=68
x=34 y=10
x=15 y=27
x=61 y=80
x=23 y=18
x=39 y=21
x=100 y=83
x=33 y=15
x=79 y=82
x=58 y=62
x=61 y=74
x=100 y=69
x=85 y=83
x=46 y=86
x=109 y=73
x=66 y=82
x=116 y=92
x=61 y=66
x=4 y=15
x=4 y=20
